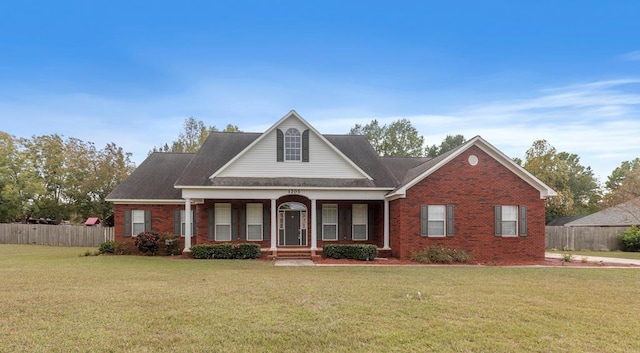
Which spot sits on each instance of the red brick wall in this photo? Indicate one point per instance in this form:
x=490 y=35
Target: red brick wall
x=474 y=191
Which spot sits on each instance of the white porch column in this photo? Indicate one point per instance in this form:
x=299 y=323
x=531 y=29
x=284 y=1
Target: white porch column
x=274 y=225
x=386 y=225
x=187 y=225
x=314 y=227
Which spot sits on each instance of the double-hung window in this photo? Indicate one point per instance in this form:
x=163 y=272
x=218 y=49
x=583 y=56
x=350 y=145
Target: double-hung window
x=183 y=223
x=330 y=222
x=137 y=222
x=223 y=221
x=511 y=221
x=436 y=220
x=254 y=221
x=436 y=223
x=359 y=221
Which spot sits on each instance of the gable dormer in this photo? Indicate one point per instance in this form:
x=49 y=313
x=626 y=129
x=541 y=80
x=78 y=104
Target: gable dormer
x=292 y=148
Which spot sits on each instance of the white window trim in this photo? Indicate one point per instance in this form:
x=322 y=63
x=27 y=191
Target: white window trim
x=330 y=206
x=133 y=222
x=366 y=221
x=444 y=222
x=222 y=206
x=298 y=138
x=503 y=220
x=260 y=207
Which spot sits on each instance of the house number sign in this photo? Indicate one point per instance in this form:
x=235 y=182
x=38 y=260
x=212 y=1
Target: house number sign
x=294 y=191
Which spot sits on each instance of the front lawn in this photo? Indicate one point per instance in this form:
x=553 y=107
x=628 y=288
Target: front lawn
x=54 y=300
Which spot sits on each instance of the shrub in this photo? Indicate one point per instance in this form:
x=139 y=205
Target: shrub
x=630 y=239
x=147 y=242
x=226 y=251
x=364 y=252
x=202 y=251
x=170 y=244
x=246 y=251
x=438 y=254
x=108 y=247
x=123 y=248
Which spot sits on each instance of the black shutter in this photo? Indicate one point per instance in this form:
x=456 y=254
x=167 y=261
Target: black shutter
x=177 y=229
x=424 y=220
x=193 y=223
x=266 y=223
x=371 y=219
x=450 y=224
x=280 y=145
x=348 y=221
x=243 y=223
x=234 y=224
x=305 y=145
x=498 y=220
x=523 y=221
x=147 y=220
x=127 y=223
x=319 y=229
x=211 y=224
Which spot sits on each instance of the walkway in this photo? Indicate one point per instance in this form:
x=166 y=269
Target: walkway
x=611 y=260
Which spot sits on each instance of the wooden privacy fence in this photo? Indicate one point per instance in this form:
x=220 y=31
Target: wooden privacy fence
x=583 y=238
x=44 y=234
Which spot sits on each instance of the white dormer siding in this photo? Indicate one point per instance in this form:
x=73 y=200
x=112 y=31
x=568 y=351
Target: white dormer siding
x=260 y=159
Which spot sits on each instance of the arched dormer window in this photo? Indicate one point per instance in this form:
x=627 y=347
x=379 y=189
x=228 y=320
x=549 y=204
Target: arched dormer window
x=292 y=145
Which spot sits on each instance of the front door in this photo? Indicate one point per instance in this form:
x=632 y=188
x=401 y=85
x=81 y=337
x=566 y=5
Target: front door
x=292 y=233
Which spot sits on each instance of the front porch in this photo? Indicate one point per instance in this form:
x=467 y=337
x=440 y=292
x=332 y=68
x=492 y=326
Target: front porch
x=290 y=225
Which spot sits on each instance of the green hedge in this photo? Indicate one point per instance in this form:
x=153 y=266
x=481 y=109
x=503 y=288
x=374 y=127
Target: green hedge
x=364 y=252
x=630 y=239
x=225 y=251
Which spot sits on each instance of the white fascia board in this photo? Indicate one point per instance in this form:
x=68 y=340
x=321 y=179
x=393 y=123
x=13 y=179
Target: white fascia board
x=273 y=127
x=276 y=193
x=146 y=201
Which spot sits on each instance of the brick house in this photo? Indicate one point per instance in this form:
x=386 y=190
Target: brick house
x=294 y=188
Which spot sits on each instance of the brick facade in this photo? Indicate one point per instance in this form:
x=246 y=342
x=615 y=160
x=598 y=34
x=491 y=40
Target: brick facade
x=474 y=191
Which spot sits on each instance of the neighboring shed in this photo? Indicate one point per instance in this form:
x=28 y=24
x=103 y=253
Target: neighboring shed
x=92 y=222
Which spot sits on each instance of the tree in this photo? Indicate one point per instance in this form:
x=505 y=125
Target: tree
x=577 y=188
x=623 y=184
x=450 y=142
x=192 y=137
x=398 y=139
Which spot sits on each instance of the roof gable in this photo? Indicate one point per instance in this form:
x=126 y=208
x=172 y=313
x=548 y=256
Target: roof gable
x=258 y=159
x=422 y=171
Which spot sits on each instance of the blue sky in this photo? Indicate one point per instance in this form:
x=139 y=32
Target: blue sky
x=131 y=72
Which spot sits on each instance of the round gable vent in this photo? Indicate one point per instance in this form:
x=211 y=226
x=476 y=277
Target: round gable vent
x=473 y=159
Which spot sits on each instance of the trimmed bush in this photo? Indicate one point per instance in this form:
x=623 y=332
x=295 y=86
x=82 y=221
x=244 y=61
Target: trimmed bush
x=147 y=242
x=226 y=251
x=107 y=247
x=438 y=254
x=202 y=251
x=630 y=239
x=364 y=252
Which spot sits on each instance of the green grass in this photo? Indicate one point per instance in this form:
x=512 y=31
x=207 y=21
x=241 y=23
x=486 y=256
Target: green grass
x=615 y=254
x=53 y=300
